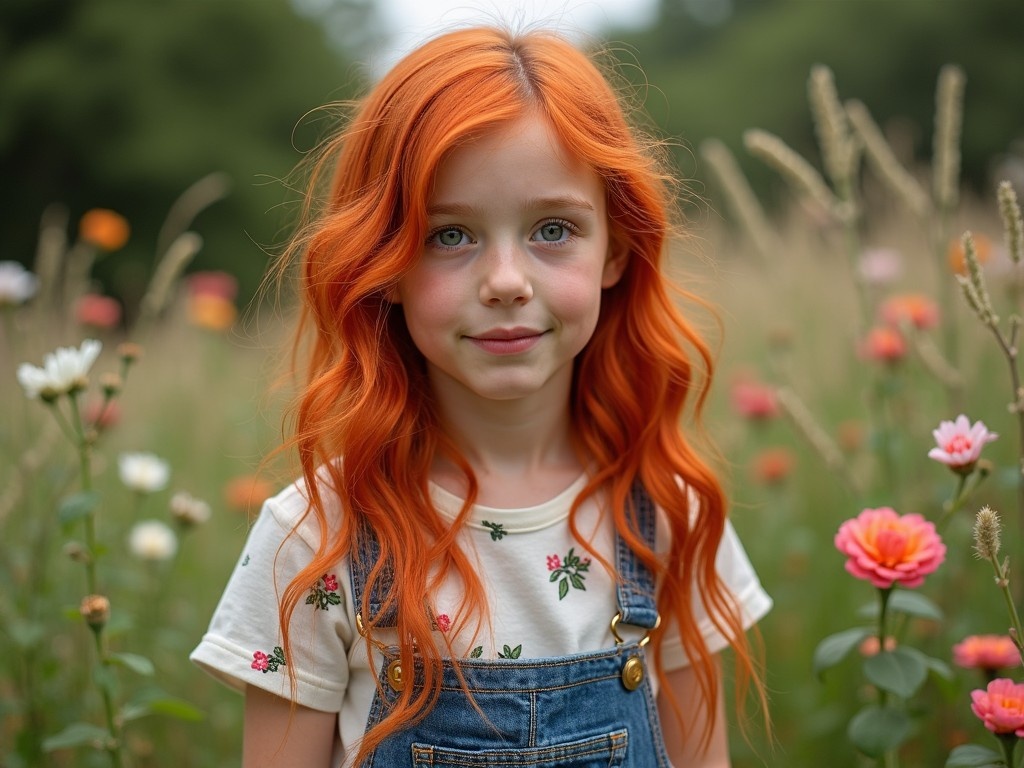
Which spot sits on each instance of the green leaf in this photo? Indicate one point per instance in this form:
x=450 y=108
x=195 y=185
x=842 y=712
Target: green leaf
x=563 y=588
x=156 y=702
x=516 y=651
x=974 y=756
x=900 y=671
x=875 y=730
x=906 y=602
x=477 y=652
x=105 y=679
x=834 y=648
x=77 y=735
x=937 y=666
x=133 y=661
x=555 y=574
x=77 y=506
x=577 y=582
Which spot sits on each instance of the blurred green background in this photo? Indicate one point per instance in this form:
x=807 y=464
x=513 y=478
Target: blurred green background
x=123 y=103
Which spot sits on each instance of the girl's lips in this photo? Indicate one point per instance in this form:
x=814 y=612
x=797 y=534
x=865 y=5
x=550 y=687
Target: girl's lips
x=505 y=342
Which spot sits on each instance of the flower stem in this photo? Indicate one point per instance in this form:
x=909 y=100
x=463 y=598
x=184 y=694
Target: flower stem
x=114 y=748
x=957 y=500
x=1008 y=743
x=85 y=467
x=1003 y=582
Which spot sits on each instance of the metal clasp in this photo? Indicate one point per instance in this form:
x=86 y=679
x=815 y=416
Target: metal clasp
x=617 y=618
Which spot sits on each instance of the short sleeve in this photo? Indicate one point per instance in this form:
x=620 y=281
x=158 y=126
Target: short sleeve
x=739 y=578
x=243 y=643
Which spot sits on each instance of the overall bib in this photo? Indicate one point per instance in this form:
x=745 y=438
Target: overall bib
x=586 y=710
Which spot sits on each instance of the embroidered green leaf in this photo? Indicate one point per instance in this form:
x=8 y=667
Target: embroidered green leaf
x=497 y=530
x=477 y=652
x=311 y=598
x=508 y=652
x=577 y=581
x=563 y=589
x=555 y=575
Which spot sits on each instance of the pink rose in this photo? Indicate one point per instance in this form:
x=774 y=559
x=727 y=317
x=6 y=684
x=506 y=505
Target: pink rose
x=443 y=622
x=260 y=661
x=554 y=562
x=886 y=549
x=986 y=652
x=959 y=443
x=1000 y=706
x=330 y=582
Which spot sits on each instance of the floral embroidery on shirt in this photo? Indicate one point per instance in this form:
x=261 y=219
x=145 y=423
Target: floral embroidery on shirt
x=324 y=593
x=510 y=653
x=245 y=561
x=497 y=530
x=261 y=662
x=443 y=622
x=477 y=652
x=568 y=572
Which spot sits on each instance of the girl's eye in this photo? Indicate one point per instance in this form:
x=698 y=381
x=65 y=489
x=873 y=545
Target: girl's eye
x=554 y=232
x=448 y=237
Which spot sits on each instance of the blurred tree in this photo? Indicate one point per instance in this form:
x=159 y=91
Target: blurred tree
x=718 y=67
x=125 y=103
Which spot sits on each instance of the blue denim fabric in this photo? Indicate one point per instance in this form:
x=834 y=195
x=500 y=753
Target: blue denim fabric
x=565 y=712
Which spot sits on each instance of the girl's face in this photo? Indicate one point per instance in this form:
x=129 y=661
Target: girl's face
x=507 y=290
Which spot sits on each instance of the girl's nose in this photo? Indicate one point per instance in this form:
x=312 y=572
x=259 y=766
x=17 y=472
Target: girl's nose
x=506 y=279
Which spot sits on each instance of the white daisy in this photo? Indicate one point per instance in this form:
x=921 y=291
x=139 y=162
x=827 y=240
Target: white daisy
x=152 y=540
x=188 y=510
x=64 y=370
x=17 y=284
x=143 y=472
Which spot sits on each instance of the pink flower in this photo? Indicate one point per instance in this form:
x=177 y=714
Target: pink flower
x=886 y=549
x=959 y=443
x=880 y=266
x=260 y=661
x=911 y=308
x=97 y=311
x=330 y=582
x=986 y=652
x=884 y=344
x=754 y=400
x=443 y=622
x=213 y=283
x=1000 y=706
x=554 y=562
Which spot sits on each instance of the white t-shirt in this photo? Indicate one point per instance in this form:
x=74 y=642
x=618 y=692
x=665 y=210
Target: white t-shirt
x=533 y=612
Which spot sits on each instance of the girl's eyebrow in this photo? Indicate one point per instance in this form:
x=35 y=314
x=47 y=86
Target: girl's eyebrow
x=559 y=202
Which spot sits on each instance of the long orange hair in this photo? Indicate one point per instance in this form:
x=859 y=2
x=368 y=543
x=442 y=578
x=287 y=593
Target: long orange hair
x=365 y=394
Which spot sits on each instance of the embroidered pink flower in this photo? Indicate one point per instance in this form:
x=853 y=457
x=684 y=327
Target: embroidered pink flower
x=986 y=652
x=260 y=661
x=554 y=562
x=886 y=549
x=1000 y=706
x=959 y=443
x=263 y=662
x=330 y=582
x=443 y=622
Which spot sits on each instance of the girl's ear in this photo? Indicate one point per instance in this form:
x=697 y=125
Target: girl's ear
x=615 y=264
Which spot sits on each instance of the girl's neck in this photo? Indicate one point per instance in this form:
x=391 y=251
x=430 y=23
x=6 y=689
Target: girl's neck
x=520 y=451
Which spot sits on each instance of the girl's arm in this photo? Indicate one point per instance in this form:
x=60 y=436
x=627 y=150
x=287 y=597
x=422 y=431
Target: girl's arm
x=687 y=753
x=275 y=736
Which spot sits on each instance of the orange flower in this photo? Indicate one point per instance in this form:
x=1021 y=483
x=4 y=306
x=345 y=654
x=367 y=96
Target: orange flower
x=772 y=466
x=884 y=344
x=247 y=492
x=215 y=313
x=912 y=308
x=851 y=435
x=988 y=652
x=97 y=311
x=106 y=229
x=958 y=259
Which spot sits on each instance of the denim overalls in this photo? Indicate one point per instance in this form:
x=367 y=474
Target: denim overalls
x=581 y=711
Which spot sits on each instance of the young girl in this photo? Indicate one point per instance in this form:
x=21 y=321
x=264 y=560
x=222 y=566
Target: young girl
x=503 y=550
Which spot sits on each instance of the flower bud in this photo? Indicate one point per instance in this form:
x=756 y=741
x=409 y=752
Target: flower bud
x=95 y=609
x=111 y=384
x=986 y=533
x=129 y=352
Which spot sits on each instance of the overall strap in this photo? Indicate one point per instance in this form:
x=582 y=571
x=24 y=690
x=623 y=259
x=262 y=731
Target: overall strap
x=635 y=591
x=363 y=558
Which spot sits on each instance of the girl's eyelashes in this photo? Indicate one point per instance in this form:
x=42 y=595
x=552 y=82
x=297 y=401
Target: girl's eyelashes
x=448 y=237
x=555 y=232
x=550 y=232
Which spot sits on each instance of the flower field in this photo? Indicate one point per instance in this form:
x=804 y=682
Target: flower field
x=867 y=408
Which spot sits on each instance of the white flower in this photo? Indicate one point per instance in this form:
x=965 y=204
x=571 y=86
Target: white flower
x=17 y=284
x=64 y=370
x=143 y=472
x=188 y=510
x=152 y=540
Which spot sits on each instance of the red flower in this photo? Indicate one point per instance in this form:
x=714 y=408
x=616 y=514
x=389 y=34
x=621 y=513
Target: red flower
x=443 y=622
x=886 y=549
x=772 y=465
x=554 y=562
x=213 y=283
x=97 y=311
x=260 y=661
x=330 y=582
x=986 y=652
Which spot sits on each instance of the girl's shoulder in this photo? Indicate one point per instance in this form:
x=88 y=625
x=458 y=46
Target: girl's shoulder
x=293 y=512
